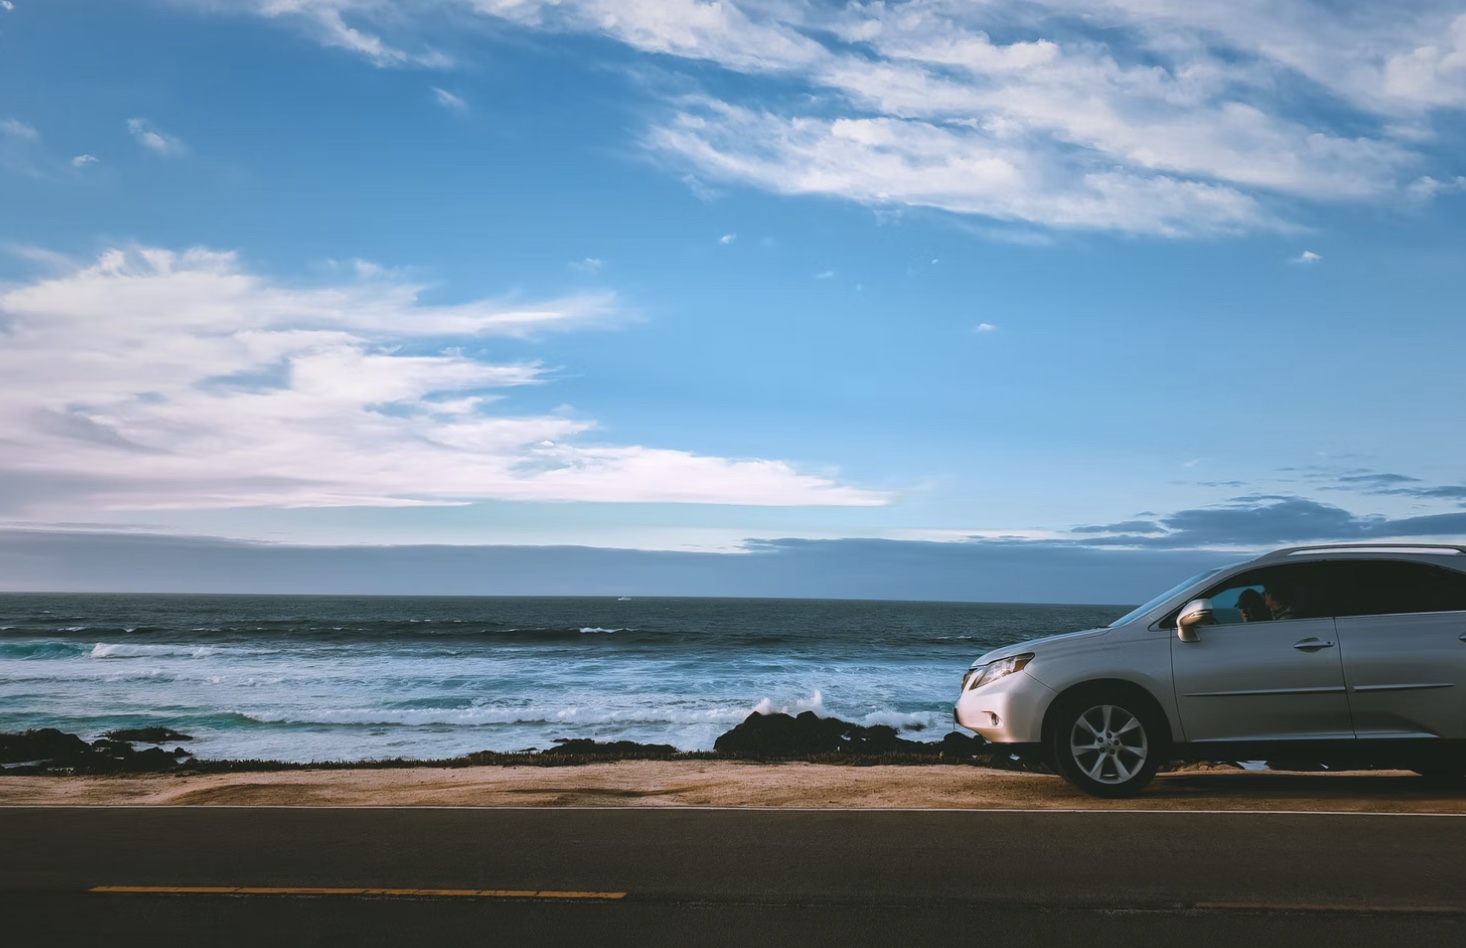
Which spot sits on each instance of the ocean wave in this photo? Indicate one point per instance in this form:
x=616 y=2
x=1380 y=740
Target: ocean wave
x=815 y=703
x=33 y=650
x=443 y=631
x=247 y=681
x=900 y=720
x=906 y=720
x=75 y=631
x=142 y=650
x=486 y=717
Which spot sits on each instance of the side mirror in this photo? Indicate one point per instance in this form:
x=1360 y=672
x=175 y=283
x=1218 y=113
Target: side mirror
x=1197 y=612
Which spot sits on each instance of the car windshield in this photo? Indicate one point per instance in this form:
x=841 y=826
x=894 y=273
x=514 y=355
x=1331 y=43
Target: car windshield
x=1139 y=611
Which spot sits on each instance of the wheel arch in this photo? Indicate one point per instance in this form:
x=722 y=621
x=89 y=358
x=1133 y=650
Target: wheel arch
x=1111 y=686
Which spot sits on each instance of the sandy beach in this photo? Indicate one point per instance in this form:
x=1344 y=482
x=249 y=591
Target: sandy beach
x=733 y=784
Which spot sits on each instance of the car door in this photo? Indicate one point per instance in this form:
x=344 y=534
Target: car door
x=1270 y=676
x=1402 y=638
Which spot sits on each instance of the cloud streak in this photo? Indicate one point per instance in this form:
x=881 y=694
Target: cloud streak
x=449 y=101
x=1126 y=115
x=160 y=379
x=20 y=147
x=155 y=139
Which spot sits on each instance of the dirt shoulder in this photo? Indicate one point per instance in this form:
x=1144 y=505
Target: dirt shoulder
x=734 y=784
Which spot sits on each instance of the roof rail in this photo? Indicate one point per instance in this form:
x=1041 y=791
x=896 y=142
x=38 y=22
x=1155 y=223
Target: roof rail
x=1364 y=548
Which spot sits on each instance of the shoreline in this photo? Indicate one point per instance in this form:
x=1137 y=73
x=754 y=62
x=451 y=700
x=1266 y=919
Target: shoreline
x=724 y=783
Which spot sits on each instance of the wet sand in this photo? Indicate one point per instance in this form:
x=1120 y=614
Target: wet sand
x=736 y=784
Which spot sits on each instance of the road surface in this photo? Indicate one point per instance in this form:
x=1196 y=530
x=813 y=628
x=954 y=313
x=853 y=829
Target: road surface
x=648 y=876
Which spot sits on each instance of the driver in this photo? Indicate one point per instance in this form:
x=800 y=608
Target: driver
x=1279 y=600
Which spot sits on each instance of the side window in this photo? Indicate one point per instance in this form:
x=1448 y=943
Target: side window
x=1241 y=601
x=1391 y=587
x=1272 y=593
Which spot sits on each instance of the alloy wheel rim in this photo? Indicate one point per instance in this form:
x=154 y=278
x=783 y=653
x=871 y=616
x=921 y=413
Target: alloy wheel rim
x=1109 y=744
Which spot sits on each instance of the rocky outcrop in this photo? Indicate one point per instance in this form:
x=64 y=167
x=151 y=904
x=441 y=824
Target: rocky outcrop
x=48 y=750
x=44 y=744
x=758 y=737
x=783 y=736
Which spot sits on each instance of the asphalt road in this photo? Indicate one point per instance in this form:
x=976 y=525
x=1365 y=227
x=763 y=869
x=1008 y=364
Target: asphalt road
x=694 y=877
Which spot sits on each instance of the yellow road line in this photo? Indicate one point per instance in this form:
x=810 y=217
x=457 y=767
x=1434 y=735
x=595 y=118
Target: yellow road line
x=1328 y=907
x=372 y=891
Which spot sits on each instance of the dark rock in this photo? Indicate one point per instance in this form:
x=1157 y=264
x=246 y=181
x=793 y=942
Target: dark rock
x=45 y=744
x=153 y=758
x=779 y=735
x=52 y=750
x=956 y=746
x=148 y=735
x=585 y=747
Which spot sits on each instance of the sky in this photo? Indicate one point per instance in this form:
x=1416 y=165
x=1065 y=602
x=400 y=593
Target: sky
x=757 y=297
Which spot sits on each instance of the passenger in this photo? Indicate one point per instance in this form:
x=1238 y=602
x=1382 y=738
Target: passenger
x=1279 y=601
x=1253 y=606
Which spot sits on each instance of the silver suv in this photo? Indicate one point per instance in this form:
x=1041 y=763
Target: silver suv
x=1347 y=655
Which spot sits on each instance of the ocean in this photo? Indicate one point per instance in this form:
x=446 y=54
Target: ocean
x=315 y=678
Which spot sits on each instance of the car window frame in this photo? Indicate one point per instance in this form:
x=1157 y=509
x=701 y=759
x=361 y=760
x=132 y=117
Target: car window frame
x=1168 y=621
x=1435 y=568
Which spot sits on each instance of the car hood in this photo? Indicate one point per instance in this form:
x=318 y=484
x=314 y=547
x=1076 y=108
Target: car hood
x=1035 y=645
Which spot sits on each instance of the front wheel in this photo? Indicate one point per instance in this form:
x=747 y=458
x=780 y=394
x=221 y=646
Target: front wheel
x=1106 y=745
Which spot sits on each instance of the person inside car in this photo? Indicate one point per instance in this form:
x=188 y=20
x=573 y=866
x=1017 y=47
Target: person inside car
x=1253 y=606
x=1279 y=600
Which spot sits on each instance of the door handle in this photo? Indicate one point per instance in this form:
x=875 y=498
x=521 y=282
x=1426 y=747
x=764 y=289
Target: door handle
x=1462 y=636
x=1312 y=645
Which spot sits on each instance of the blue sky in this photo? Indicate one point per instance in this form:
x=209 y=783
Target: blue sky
x=690 y=278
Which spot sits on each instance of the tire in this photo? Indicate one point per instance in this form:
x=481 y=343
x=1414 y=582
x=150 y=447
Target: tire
x=1105 y=743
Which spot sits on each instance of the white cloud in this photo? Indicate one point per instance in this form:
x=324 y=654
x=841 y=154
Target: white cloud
x=20 y=148
x=985 y=327
x=825 y=275
x=1426 y=188
x=7 y=4
x=23 y=150
x=155 y=139
x=159 y=379
x=727 y=239
x=16 y=129
x=1434 y=72
x=588 y=265
x=1307 y=256
x=346 y=24
x=1140 y=116
x=966 y=171
x=41 y=257
x=449 y=101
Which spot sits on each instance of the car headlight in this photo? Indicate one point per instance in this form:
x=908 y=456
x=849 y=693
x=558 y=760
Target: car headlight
x=979 y=675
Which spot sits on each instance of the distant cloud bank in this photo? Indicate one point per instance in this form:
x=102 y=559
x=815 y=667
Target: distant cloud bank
x=1123 y=562
x=65 y=561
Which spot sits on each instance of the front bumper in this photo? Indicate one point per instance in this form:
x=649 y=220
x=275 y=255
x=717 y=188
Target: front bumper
x=1007 y=711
